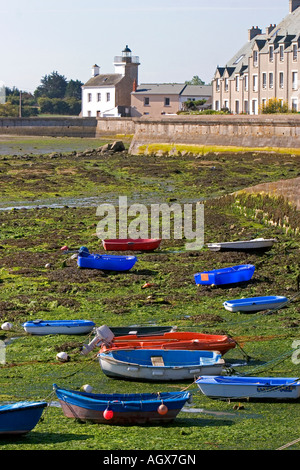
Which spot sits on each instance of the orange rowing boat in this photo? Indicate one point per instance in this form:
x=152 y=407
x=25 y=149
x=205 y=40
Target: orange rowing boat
x=172 y=340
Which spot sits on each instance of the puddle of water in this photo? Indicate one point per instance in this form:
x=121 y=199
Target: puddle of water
x=220 y=414
x=57 y=203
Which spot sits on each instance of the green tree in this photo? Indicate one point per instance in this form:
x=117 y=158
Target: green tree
x=52 y=86
x=196 y=80
x=73 y=89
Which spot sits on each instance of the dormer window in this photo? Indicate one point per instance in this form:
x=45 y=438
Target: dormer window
x=295 y=52
x=281 y=53
x=255 y=58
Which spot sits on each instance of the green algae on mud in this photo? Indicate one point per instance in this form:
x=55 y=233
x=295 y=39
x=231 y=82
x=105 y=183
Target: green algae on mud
x=77 y=175
x=31 y=239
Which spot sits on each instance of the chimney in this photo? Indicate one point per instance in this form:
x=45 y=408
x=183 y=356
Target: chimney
x=270 y=28
x=294 y=4
x=134 y=87
x=95 y=70
x=254 y=32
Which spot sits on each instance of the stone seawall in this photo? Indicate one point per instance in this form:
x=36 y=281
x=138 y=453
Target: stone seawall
x=173 y=133
x=170 y=134
x=115 y=126
x=54 y=127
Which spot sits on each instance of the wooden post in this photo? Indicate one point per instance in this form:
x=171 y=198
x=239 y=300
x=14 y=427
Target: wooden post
x=20 y=105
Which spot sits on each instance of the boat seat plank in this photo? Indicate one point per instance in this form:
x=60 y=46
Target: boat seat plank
x=157 y=361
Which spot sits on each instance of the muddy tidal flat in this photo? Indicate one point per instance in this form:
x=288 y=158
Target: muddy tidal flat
x=49 y=199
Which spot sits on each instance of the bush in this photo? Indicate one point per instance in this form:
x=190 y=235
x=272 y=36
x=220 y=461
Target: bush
x=69 y=106
x=274 y=105
x=9 y=110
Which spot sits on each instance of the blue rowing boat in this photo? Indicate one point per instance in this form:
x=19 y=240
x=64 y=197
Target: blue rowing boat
x=160 y=365
x=104 y=262
x=230 y=275
x=21 y=417
x=58 y=327
x=255 y=304
x=118 y=408
x=236 y=387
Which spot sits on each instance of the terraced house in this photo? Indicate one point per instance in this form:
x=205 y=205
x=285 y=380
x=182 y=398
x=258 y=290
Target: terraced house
x=267 y=66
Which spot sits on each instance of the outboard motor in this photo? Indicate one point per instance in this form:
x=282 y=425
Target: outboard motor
x=103 y=335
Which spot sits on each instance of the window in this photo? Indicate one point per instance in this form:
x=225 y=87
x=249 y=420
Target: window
x=89 y=97
x=264 y=80
x=295 y=104
x=295 y=80
x=246 y=106
x=281 y=53
x=217 y=105
x=237 y=107
x=255 y=58
x=226 y=84
x=295 y=52
x=218 y=84
x=254 y=106
x=226 y=104
x=167 y=101
x=271 y=80
x=98 y=96
x=89 y=113
x=246 y=82
x=255 y=83
x=239 y=59
x=271 y=53
x=146 y=101
x=237 y=83
x=107 y=96
x=281 y=80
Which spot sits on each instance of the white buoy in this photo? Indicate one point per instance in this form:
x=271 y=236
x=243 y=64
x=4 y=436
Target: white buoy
x=87 y=388
x=63 y=357
x=6 y=326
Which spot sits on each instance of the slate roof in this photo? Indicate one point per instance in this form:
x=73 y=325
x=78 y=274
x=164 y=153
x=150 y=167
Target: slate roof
x=104 y=80
x=160 y=89
x=287 y=31
x=197 y=90
x=173 y=89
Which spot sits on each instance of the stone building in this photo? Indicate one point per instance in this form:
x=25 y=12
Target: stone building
x=109 y=95
x=267 y=66
x=158 y=99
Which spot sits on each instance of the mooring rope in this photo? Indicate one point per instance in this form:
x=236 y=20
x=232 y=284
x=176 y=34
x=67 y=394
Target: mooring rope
x=289 y=444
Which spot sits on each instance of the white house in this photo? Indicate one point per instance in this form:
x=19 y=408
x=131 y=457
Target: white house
x=109 y=95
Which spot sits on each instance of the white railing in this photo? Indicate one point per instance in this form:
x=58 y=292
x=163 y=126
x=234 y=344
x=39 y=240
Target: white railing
x=119 y=59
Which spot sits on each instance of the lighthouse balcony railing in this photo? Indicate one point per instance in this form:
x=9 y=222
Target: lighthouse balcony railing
x=130 y=59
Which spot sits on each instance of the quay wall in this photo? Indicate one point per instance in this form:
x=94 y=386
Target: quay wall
x=51 y=127
x=168 y=133
x=268 y=131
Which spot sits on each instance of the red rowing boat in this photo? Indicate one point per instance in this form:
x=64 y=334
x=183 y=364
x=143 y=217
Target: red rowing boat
x=173 y=340
x=126 y=244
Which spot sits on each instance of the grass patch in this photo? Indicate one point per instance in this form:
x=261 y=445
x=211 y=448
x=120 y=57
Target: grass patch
x=30 y=239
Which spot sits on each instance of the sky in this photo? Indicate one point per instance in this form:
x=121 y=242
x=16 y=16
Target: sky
x=174 y=39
